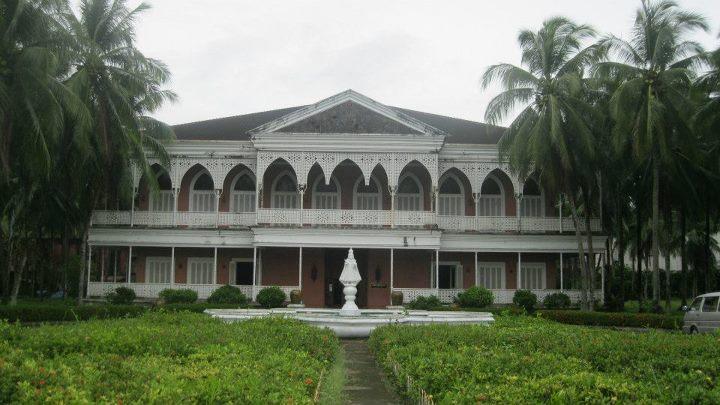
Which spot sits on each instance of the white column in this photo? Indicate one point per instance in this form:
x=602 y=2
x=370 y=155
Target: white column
x=475 y=266
x=102 y=269
x=129 y=267
x=562 y=286
x=560 y=207
x=602 y=280
x=392 y=269
x=132 y=206
x=214 y=273
x=172 y=266
x=519 y=278
x=437 y=271
x=518 y=203
x=252 y=297
x=300 y=269
x=89 y=260
x=115 y=273
x=176 y=193
x=301 y=193
x=393 y=189
x=217 y=207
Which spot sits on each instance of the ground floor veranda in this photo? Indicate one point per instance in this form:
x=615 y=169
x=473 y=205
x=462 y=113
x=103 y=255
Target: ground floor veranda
x=315 y=271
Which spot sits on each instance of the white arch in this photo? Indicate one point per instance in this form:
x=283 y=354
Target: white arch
x=451 y=204
x=162 y=200
x=491 y=204
x=326 y=199
x=368 y=201
x=242 y=200
x=202 y=200
x=532 y=205
x=410 y=201
x=284 y=199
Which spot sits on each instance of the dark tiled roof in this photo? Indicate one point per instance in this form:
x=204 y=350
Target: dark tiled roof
x=236 y=128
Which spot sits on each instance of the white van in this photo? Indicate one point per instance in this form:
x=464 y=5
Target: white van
x=702 y=315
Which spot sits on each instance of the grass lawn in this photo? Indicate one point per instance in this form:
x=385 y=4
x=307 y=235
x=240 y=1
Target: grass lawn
x=675 y=304
x=164 y=358
x=531 y=360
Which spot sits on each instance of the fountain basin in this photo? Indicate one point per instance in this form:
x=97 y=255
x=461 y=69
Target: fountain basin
x=359 y=326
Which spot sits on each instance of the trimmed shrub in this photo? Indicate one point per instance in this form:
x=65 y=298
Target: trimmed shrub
x=121 y=296
x=27 y=313
x=556 y=300
x=427 y=303
x=525 y=299
x=614 y=319
x=227 y=294
x=396 y=298
x=296 y=297
x=271 y=297
x=475 y=297
x=179 y=296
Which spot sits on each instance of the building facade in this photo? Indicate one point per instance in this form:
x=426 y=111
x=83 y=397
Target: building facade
x=277 y=198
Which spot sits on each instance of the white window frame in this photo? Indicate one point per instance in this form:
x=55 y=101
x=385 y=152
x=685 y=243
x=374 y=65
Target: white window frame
x=231 y=265
x=284 y=196
x=458 y=274
x=208 y=196
x=488 y=198
x=539 y=267
x=165 y=201
x=368 y=198
x=158 y=269
x=481 y=268
x=242 y=200
x=320 y=198
x=459 y=199
x=405 y=198
x=199 y=279
x=531 y=201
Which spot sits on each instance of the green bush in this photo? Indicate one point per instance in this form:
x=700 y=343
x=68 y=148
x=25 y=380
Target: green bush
x=271 y=297
x=525 y=299
x=428 y=303
x=533 y=360
x=164 y=358
x=475 y=297
x=197 y=307
x=556 y=300
x=616 y=319
x=179 y=296
x=121 y=296
x=227 y=294
x=55 y=312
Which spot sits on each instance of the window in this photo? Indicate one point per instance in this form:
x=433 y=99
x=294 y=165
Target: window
x=326 y=196
x=695 y=306
x=284 y=192
x=200 y=270
x=532 y=200
x=409 y=195
x=367 y=197
x=163 y=199
x=158 y=270
x=710 y=304
x=202 y=194
x=532 y=276
x=242 y=194
x=451 y=199
x=450 y=275
x=491 y=202
x=491 y=275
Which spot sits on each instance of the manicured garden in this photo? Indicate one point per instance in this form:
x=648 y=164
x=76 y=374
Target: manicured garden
x=532 y=360
x=162 y=357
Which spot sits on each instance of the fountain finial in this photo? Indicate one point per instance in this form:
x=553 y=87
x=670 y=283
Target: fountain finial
x=350 y=277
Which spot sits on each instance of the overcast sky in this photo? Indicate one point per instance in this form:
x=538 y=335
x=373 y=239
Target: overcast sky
x=231 y=57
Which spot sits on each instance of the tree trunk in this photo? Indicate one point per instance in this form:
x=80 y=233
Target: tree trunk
x=584 y=304
x=683 y=259
x=83 y=255
x=639 y=255
x=17 y=280
x=7 y=132
x=591 y=258
x=667 y=282
x=655 y=249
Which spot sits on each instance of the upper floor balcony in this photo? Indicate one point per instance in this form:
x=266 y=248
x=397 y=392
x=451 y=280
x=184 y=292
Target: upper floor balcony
x=352 y=197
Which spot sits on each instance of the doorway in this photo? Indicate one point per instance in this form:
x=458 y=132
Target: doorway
x=334 y=263
x=241 y=273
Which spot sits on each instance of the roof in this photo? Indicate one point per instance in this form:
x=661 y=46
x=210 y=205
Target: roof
x=237 y=128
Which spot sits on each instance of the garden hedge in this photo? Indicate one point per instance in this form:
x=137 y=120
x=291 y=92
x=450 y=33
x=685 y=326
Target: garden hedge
x=614 y=319
x=164 y=358
x=60 y=313
x=532 y=360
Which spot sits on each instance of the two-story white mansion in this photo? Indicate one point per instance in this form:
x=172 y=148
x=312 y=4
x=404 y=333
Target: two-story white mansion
x=277 y=197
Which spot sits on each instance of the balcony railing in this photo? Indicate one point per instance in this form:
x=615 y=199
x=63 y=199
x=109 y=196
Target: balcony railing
x=325 y=217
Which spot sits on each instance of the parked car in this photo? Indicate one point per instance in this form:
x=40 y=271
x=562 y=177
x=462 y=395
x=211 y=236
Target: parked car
x=702 y=315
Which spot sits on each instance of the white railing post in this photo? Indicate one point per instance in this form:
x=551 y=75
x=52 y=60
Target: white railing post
x=561 y=272
x=129 y=266
x=214 y=273
x=172 y=267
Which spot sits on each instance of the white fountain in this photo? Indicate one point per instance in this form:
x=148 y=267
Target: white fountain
x=350 y=321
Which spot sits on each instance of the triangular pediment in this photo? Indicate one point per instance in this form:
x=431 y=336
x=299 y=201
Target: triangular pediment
x=348 y=113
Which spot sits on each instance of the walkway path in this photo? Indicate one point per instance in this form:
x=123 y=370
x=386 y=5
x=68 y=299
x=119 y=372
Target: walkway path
x=366 y=382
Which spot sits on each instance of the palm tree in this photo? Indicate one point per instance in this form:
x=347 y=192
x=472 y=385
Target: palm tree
x=550 y=134
x=650 y=107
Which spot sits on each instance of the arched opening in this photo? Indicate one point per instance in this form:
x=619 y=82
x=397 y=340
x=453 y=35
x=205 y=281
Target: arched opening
x=410 y=193
x=284 y=191
x=451 y=196
x=532 y=204
x=326 y=196
x=163 y=199
x=242 y=192
x=202 y=192
x=367 y=197
x=492 y=198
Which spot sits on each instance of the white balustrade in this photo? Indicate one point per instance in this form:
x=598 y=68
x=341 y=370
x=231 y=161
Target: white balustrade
x=278 y=216
x=153 y=218
x=197 y=219
x=415 y=218
x=237 y=218
x=101 y=217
